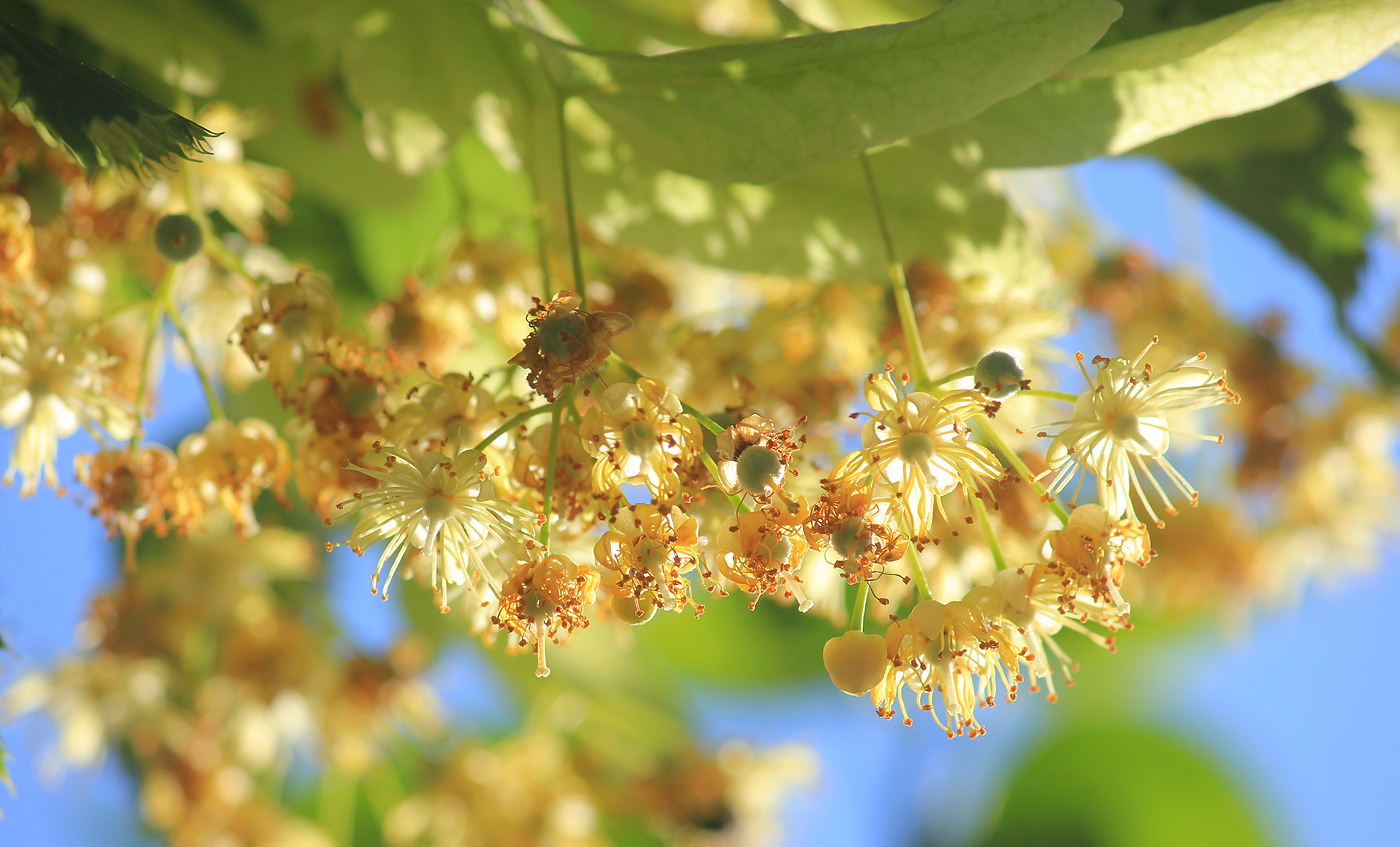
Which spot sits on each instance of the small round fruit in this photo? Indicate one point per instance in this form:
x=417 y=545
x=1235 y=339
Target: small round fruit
x=633 y=611
x=856 y=661
x=999 y=374
x=179 y=238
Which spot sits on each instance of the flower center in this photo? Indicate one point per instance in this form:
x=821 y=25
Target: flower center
x=850 y=539
x=758 y=467
x=916 y=448
x=295 y=324
x=559 y=336
x=535 y=604
x=438 y=508
x=1125 y=427
x=775 y=548
x=639 y=438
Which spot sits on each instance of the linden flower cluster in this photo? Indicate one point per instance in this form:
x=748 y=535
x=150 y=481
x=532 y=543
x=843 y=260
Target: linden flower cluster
x=547 y=465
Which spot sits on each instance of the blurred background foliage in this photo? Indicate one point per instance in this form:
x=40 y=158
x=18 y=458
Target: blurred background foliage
x=411 y=128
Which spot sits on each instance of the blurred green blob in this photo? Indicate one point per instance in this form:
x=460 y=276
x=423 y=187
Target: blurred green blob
x=771 y=645
x=1123 y=786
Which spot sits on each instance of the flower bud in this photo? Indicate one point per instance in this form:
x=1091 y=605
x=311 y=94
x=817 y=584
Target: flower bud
x=855 y=661
x=999 y=374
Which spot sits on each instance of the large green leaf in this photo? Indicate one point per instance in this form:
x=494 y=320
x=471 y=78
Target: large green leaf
x=1119 y=786
x=1121 y=97
x=104 y=122
x=1311 y=199
x=819 y=224
x=756 y=112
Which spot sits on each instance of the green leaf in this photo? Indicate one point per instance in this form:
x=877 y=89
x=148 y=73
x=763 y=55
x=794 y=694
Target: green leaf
x=756 y=112
x=1118 y=98
x=287 y=70
x=1311 y=199
x=103 y=122
x=818 y=224
x=1121 y=786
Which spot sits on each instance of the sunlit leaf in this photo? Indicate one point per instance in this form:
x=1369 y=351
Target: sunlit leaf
x=756 y=112
x=819 y=224
x=1121 y=97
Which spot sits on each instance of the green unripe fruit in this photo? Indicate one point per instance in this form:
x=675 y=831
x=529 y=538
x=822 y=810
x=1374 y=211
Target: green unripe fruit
x=179 y=237
x=999 y=374
x=633 y=610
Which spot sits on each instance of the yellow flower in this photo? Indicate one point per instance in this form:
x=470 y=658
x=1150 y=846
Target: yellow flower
x=954 y=649
x=754 y=457
x=858 y=528
x=638 y=434
x=444 y=507
x=646 y=555
x=1122 y=422
x=1030 y=600
x=543 y=600
x=917 y=448
x=1090 y=554
x=229 y=464
x=759 y=551
x=290 y=322
x=47 y=390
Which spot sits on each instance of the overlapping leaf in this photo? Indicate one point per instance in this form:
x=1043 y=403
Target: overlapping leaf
x=1121 y=97
x=757 y=112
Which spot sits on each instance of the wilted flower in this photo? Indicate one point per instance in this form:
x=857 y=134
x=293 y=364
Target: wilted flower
x=565 y=342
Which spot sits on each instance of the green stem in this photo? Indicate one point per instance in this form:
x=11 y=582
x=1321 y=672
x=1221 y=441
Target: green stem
x=952 y=376
x=986 y=521
x=735 y=499
x=574 y=253
x=920 y=578
x=1014 y=458
x=1053 y=395
x=549 y=473
x=216 y=409
x=858 y=611
x=903 y=304
x=532 y=168
x=154 y=319
x=512 y=424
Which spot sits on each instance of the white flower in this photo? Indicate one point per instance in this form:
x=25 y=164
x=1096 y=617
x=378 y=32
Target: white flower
x=1123 y=422
x=445 y=508
x=48 y=389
